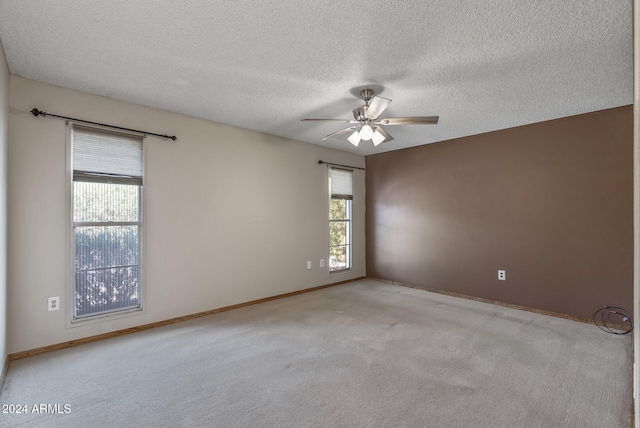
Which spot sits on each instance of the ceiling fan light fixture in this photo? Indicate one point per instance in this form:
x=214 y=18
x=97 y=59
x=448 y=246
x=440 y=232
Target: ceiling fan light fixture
x=367 y=119
x=354 y=138
x=377 y=138
x=366 y=132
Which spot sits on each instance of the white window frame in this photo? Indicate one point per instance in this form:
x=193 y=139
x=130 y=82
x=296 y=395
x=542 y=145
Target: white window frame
x=71 y=319
x=348 y=198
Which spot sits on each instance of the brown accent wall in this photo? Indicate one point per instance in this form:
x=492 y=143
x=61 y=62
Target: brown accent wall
x=551 y=203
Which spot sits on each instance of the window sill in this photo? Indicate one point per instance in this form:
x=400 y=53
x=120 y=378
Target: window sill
x=111 y=316
x=339 y=271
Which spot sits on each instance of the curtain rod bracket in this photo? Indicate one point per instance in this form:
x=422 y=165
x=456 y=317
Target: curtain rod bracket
x=37 y=113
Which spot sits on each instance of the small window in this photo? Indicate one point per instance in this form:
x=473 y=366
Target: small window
x=107 y=199
x=341 y=195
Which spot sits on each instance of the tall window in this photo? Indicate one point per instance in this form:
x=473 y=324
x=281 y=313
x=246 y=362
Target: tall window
x=341 y=195
x=107 y=187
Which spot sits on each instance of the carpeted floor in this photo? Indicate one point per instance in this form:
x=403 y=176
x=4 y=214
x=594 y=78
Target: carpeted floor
x=363 y=354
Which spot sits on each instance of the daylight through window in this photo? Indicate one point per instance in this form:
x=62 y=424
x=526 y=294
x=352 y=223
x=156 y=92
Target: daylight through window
x=107 y=195
x=341 y=196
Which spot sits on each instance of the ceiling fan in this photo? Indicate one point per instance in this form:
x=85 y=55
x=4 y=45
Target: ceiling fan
x=367 y=123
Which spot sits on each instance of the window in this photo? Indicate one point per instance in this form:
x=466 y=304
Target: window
x=107 y=199
x=341 y=195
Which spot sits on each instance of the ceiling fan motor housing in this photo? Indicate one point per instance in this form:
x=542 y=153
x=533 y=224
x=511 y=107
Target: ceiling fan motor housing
x=360 y=113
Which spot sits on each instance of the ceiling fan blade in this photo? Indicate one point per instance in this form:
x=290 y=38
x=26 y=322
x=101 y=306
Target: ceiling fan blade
x=417 y=120
x=332 y=120
x=377 y=106
x=387 y=137
x=339 y=133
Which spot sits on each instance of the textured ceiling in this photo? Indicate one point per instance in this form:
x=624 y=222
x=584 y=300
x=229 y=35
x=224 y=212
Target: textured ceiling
x=263 y=65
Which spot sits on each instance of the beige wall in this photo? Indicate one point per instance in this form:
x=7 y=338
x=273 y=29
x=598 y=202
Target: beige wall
x=231 y=215
x=4 y=126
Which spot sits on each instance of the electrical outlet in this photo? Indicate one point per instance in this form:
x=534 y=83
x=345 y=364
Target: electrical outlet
x=308 y=264
x=53 y=304
x=502 y=275
x=321 y=262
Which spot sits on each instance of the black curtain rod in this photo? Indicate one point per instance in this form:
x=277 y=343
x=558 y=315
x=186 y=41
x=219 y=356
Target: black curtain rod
x=37 y=113
x=337 y=164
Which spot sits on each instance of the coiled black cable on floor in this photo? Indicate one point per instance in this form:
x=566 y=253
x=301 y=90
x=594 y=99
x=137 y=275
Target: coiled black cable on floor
x=613 y=319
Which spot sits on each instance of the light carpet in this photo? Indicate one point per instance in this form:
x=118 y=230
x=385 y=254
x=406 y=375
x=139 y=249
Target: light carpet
x=363 y=354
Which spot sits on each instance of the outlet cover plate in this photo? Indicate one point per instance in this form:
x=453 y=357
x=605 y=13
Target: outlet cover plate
x=502 y=275
x=53 y=304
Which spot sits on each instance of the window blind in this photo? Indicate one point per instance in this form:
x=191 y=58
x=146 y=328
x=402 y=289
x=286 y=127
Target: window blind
x=103 y=156
x=341 y=183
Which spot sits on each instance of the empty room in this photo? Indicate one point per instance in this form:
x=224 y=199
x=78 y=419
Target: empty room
x=318 y=214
